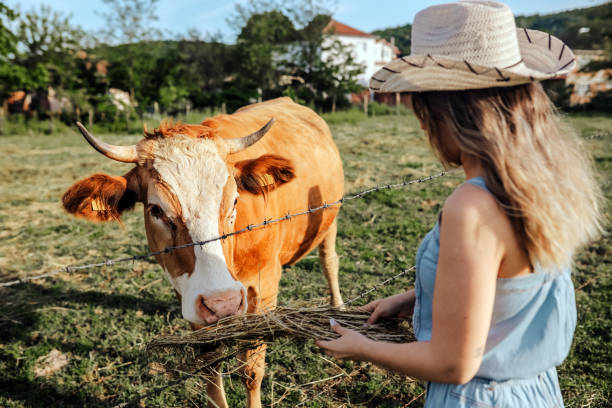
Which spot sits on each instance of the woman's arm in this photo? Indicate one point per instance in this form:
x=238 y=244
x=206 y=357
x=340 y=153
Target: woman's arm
x=470 y=254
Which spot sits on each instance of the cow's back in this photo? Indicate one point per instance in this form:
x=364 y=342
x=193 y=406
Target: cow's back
x=302 y=137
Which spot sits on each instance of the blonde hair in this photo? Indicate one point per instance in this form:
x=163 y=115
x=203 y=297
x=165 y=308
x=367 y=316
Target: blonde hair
x=534 y=165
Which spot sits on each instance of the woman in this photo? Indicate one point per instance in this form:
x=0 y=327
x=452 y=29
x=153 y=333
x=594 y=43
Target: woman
x=493 y=307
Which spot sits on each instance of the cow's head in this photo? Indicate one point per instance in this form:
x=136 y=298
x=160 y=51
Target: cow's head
x=190 y=188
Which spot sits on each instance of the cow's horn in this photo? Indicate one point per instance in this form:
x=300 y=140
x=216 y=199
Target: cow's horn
x=126 y=154
x=237 y=145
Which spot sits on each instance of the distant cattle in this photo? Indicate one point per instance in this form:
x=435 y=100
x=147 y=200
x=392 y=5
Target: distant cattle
x=19 y=102
x=198 y=181
x=121 y=99
x=45 y=103
x=587 y=85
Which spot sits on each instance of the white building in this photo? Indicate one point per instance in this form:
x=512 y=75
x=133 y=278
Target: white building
x=368 y=50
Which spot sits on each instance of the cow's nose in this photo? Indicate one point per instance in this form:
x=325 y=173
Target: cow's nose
x=221 y=304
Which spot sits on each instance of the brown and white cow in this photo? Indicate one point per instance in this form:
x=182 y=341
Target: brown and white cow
x=199 y=181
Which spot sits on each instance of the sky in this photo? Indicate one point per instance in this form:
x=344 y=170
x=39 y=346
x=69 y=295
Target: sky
x=210 y=16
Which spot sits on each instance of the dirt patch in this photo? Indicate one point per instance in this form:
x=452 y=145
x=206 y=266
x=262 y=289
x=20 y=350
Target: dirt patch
x=50 y=364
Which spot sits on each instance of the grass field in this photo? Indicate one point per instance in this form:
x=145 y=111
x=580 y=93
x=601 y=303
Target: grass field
x=99 y=320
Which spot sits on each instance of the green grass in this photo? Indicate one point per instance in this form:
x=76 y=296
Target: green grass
x=102 y=318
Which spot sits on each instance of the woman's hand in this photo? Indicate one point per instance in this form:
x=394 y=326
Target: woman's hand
x=400 y=305
x=349 y=346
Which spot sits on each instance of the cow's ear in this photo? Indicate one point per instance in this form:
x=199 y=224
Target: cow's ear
x=264 y=174
x=99 y=197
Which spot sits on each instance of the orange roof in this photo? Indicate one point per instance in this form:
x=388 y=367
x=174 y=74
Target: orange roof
x=342 y=29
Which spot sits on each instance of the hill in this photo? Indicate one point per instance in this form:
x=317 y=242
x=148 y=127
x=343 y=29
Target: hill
x=584 y=28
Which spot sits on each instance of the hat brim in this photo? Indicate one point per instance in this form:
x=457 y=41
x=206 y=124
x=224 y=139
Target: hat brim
x=543 y=56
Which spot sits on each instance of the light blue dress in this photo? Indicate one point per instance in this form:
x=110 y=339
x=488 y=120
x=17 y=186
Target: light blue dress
x=532 y=326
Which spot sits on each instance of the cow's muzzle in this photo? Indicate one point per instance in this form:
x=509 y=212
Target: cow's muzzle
x=219 y=305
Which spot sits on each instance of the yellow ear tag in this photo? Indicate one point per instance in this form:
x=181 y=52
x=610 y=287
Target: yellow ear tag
x=266 y=180
x=97 y=205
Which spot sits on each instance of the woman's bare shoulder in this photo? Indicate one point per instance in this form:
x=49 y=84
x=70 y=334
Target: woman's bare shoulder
x=475 y=225
x=472 y=203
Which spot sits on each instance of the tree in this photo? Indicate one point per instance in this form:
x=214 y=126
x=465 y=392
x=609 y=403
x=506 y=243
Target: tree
x=38 y=51
x=289 y=39
x=130 y=23
x=46 y=47
x=261 y=41
x=300 y=12
x=326 y=65
x=12 y=77
x=203 y=66
x=400 y=34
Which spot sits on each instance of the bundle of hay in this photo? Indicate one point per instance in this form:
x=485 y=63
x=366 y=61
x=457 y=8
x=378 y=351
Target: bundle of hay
x=231 y=335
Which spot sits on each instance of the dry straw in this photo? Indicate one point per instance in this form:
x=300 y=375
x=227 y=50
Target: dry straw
x=229 y=336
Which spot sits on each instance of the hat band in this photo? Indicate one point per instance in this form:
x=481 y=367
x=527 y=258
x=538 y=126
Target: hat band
x=423 y=64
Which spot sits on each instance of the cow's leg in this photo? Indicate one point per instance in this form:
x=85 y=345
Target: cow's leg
x=215 y=391
x=252 y=367
x=252 y=362
x=329 y=263
x=214 y=382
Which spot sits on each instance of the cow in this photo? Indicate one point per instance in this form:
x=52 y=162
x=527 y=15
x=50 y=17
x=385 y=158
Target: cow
x=200 y=181
x=19 y=102
x=121 y=99
x=45 y=103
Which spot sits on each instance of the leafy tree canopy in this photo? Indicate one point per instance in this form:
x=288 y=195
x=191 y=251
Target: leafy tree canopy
x=271 y=27
x=400 y=34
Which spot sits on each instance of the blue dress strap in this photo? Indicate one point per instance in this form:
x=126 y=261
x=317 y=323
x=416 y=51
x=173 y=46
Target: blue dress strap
x=478 y=181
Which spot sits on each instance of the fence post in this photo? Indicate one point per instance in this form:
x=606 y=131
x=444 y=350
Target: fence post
x=90 y=117
x=397 y=103
x=365 y=105
x=3 y=113
x=223 y=108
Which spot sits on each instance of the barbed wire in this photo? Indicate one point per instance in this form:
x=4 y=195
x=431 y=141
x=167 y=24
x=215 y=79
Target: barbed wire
x=248 y=228
x=598 y=135
x=378 y=286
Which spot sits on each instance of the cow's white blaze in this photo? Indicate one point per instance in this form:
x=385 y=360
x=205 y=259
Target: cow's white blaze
x=196 y=173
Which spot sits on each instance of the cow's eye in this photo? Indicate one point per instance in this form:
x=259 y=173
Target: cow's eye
x=156 y=211
x=235 y=201
x=172 y=225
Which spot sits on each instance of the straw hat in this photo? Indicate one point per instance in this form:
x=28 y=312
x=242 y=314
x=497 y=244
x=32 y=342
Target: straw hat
x=472 y=44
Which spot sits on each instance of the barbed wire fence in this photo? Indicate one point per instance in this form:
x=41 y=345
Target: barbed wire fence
x=251 y=227
x=597 y=135
x=248 y=228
